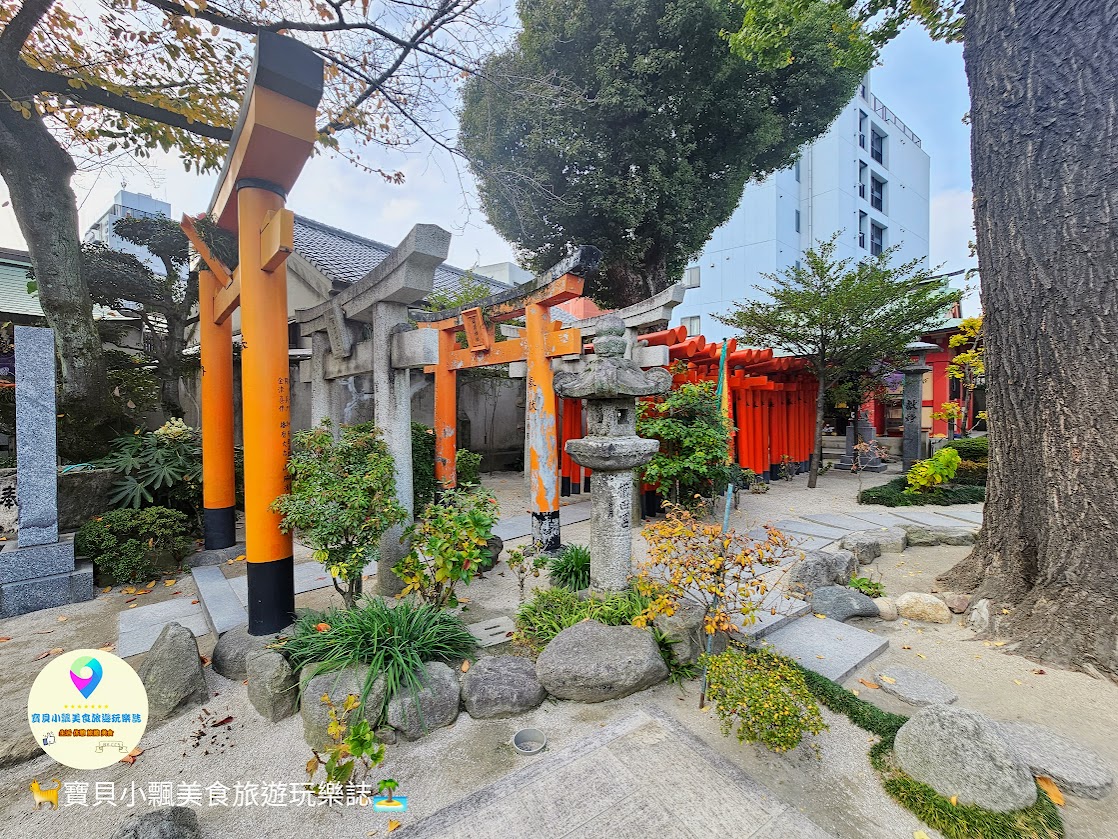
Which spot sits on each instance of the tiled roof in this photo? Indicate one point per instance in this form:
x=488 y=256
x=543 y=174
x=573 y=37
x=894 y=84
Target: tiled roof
x=345 y=257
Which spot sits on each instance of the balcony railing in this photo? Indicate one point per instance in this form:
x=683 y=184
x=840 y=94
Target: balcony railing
x=887 y=115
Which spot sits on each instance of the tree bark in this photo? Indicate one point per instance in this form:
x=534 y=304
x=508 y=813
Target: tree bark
x=1045 y=167
x=37 y=172
x=817 y=454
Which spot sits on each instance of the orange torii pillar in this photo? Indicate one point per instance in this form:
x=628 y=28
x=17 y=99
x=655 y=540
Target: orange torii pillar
x=275 y=137
x=219 y=490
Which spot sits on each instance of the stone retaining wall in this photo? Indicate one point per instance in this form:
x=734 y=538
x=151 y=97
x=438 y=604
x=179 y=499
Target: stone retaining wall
x=81 y=495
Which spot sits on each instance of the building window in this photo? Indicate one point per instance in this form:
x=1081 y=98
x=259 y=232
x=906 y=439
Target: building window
x=691 y=277
x=863 y=121
x=799 y=265
x=862 y=217
x=863 y=168
x=797 y=221
x=691 y=324
x=797 y=168
x=877 y=193
x=877 y=146
x=877 y=239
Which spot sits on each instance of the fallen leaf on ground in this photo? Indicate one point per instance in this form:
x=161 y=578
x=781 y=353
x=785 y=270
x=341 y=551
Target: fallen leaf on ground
x=906 y=647
x=1038 y=672
x=240 y=558
x=173 y=593
x=45 y=653
x=919 y=834
x=169 y=583
x=62 y=618
x=5 y=638
x=106 y=589
x=954 y=801
x=821 y=617
x=855 y=691
x=819 y=656
x=870 y=685
x=143 y=591
x=921 y=655
x=465 y=665
x=220 y=723
x=133 y=605
x=205 y=659
x=44 y=632
x=150 y=585
x=1051 y=790
x=193 y=602
x=130 y=758
x=392 y=825
x=130 y=599
x=1000 y=643
x=128 y=590
x=888 y=680
x=322 y=627
x=1018 y=682
x=107 y=648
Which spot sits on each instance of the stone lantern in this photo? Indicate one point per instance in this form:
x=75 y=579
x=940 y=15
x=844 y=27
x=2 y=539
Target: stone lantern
x=913 y=400
x=610 y=385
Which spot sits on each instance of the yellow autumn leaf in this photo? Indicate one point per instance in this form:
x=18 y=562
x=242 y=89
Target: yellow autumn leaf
x=888 y=680
x=954 y=801
x=821 y=617
x=1018 y=682
x=1051 y=790
x=392 y=825
x=921 y=655
x=919 y=834
x=169 y=583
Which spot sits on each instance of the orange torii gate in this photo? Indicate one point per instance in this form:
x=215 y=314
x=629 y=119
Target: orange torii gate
x=539 y=342
x=274 y=138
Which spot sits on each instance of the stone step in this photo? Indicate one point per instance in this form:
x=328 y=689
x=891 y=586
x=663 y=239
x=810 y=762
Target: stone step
x=928 y=519
x=878 y=517
x=839 y=520
x=809 y=528
x=788 y=609
x=968 y=516
x=138 y=628
x=827 y=647
x=221 y=607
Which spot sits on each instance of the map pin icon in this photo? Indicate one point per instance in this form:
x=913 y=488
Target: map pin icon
x=86 y=684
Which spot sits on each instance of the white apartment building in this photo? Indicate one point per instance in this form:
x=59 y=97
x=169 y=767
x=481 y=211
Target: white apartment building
x=866 y=179
x=129 y=205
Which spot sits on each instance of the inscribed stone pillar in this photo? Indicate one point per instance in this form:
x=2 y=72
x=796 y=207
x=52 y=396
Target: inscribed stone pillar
x=36 y=450
x=912 y=405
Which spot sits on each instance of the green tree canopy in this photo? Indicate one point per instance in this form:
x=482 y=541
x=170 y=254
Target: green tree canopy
x=645 y=129
x=844 y=317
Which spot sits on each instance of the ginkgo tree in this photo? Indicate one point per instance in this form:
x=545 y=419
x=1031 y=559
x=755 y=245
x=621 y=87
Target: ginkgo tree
x=83 y=82
x=968 y=367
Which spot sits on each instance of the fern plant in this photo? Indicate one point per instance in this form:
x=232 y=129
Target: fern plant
x=571 y=568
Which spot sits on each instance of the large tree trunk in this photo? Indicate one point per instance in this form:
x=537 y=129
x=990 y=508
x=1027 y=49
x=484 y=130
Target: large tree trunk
x=1045 y=166
x=37 y=172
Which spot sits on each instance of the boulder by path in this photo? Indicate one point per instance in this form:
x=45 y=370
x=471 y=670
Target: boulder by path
x=961 y=753
x=592 y=662
x=501 y=686
x=819 y=569
x=1074 y=768
x=841 y=603
x=413 y=714
x=918 y=606
x=164 y=823
x=886 y=608
x=172 y=673
x=273 y=689
x=337 y=684
x=864 y=544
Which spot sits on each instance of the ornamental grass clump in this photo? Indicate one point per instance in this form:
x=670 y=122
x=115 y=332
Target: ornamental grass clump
x=393 y=641
x=571 y=568
x=551 y=610
x=765 y=696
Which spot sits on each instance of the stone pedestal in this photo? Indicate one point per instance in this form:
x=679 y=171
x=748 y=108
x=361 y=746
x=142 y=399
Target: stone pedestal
x=611 y=448
x=38 y=570
x=861 y=432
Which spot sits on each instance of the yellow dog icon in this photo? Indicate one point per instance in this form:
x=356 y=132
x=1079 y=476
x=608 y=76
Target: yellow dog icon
x=46 y=796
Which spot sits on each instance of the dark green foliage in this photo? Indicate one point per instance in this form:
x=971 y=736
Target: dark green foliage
x=423 y=466
x=571 y=568
x=161 y=468
x=893 y=494
x=642 y=128
x=868 y=587
x=391 y=640
x=1040 y=821
x=971 y=448
x=971 y=473
x=124 y=543
x=551 y=610
x=693 y=437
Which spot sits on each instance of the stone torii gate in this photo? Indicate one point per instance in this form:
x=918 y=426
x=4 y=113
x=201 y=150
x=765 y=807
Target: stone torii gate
x=538 y=343
x=274 y=138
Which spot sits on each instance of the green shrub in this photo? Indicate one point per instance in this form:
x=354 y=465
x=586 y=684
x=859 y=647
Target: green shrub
x=926 y=475
x=125 y=543
x=893 y=494
x=393 y=641
x=971 y=473
x=970 y=448
x=571 y=568
x=551 y=610
x=868 y=587
x=161 y=468
x=764 y=695
x=693 y=437
x=424 y=486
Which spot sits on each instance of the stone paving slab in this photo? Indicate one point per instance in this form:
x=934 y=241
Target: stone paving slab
x=969 y=516
x=808 y=528
x=515 y=527
x=140 y=639
x=787 y=609
x=492 y=632
x=828 y=647
x=220 y=605
x=613 y=784
x=914 y=686
x=839 y=520
x=926 y=518
x=878 y=517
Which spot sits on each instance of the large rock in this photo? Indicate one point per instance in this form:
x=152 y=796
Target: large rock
x=961 y=753
x=915 y=687
x=591 y=662
x=864 y=544
x=336 y=684
x=886 y=608
x=920 y=535
x=819 y=569
x=684 y=629
x=501 y=686
x=1074 y=768
x=956 y=603
x=165 y=823
x=918 y=606
x=435 y=704
x=273 y=689
x=892 y=540
x=841 y=603
x=979 y=617
x=172 y=673
x=230 y=658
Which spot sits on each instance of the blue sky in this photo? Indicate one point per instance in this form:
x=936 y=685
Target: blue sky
x=922 y=81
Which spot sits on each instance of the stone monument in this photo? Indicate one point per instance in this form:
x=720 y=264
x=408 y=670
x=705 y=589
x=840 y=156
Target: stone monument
x=37 y=571
x=860 y=431
x=912 y=406
x=611 y=448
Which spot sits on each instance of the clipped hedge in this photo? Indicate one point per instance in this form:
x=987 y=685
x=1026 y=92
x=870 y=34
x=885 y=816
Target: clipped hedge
x=970 y=448
x=971 y=473
x=893 y=494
